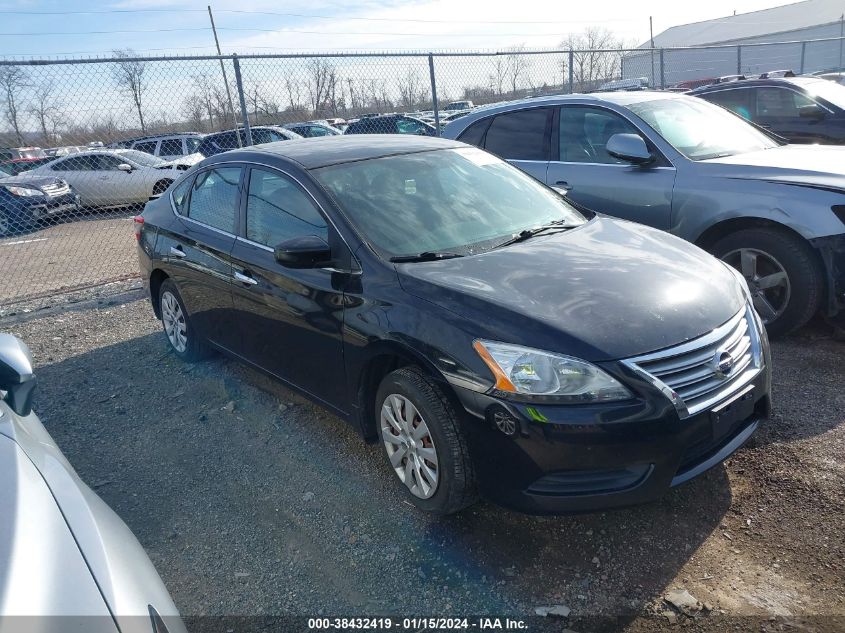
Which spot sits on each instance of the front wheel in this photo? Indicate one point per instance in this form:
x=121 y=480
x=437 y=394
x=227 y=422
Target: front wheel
x=425 y=446
x=783 y=274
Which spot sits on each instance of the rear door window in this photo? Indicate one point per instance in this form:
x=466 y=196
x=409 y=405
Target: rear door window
x=171 y=147
x=520 y=135
x=737 y=100
x=147 y=146
x=214 y=197
x=475 y=132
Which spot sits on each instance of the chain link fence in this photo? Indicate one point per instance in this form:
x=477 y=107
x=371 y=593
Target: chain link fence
x=85 y=143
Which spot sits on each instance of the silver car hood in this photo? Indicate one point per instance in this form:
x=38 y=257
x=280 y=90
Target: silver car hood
x=110 y=559
x=817 y=165
x=43 y=570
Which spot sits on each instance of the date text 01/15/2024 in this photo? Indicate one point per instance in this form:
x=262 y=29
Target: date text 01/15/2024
x=416 y=624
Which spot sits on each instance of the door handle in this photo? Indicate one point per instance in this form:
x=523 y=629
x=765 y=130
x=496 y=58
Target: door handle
x=177 y=251
x=562 y=187
x=245 y=279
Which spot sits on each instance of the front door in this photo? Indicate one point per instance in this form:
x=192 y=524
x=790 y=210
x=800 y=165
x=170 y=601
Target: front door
x=290 y=320
x=592 y=177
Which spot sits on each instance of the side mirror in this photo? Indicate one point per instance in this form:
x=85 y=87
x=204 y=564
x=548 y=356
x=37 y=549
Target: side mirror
x=125 y=167
x=308 y=251
x=17 y=378
x=811 y=111
x=629 y=147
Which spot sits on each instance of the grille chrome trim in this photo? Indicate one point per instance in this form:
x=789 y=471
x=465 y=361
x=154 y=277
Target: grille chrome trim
x=688 y=374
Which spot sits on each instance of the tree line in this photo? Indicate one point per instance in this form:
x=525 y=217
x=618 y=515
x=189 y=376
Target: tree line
x=306 y=88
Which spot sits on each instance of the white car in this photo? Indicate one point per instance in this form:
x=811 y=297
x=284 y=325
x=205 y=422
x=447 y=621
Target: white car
x=117 y=177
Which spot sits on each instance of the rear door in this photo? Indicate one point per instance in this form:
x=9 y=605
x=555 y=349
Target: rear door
x=290 y=320
x=523 y=138
x=584 y=170
x=197 y=254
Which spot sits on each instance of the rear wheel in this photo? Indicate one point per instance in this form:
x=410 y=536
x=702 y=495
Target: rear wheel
x=424 y=444
x=183 y=340
x=783 y=274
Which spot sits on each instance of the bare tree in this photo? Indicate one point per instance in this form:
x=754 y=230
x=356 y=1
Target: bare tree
x=194 y=110
x=128 y=74
x=410 y=88
x=45 y=110
x=596 y=57
x=320 y=74
x=12 y=80
x=517 y=66
x=205 y=97
x=497 y=78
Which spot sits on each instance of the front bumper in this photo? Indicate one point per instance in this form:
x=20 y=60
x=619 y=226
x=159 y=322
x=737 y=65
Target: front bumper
x=44 y=207
x=565 y=458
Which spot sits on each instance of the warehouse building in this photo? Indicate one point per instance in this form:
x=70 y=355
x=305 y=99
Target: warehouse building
x=731 y=45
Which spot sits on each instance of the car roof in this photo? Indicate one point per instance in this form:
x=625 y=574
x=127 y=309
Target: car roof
x=322 y=151
x=758 y=83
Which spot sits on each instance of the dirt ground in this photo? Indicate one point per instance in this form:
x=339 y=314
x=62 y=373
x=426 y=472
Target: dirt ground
x=252 y=501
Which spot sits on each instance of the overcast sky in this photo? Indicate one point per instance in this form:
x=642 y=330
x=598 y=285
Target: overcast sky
x=83 y=27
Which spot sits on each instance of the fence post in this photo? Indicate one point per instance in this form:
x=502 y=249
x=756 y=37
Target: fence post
x=662 y=72
x=240 y=86
x=434 y=104
x=803 y=56
x=739 y=59
x=571 y=71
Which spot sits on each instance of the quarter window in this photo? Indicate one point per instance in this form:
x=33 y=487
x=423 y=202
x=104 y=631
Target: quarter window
x=584 y=133
x=180 y=195
x=214 y=198
x=278 y=209
x=521 y=135
x=474 y=133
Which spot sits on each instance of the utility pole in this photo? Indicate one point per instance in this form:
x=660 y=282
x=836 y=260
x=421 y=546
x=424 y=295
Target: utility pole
x=841 y=34
x=651 y=33
x=225 y=78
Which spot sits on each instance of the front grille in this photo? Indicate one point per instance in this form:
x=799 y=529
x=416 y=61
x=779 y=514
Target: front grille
x=56 y=189
x=690 y=373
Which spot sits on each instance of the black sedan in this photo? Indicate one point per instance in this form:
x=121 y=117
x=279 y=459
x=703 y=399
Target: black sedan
x=800 y=109
x=27 y=200
x=489 y=335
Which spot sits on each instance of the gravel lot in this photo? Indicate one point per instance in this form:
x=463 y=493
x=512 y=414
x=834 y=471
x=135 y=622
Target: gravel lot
x=251 y=501
x=84 y=249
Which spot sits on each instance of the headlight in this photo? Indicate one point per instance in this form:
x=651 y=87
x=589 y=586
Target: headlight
x=24 y=192
x=530 y=372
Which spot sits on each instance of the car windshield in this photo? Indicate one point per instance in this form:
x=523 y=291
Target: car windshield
x=830 y=91
x=141 y=158
x=700 y=130
x=459 y=200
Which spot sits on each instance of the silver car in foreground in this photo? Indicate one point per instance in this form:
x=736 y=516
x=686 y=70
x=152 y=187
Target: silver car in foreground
x=67 y=561
x=775 y=212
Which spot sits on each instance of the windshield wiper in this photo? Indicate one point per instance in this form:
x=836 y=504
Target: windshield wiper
x=527 y=234
x=425 y=256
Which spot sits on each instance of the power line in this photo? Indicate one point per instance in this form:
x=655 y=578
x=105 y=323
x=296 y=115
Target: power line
x=278 y=30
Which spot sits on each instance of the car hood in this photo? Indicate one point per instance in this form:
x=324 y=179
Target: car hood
x=43 y=571
x=818 y=165
x=30 y=179
x=607 y=290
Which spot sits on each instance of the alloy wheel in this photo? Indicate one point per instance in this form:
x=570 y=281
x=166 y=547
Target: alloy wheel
x=174 y=322
x=410 y=446
x=767 y=280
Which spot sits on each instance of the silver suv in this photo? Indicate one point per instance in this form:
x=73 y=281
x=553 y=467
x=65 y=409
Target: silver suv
x=775 y=212
x=168 y=147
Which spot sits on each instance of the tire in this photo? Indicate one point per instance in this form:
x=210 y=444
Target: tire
x=12 y=223
x=794 y=301
x=161 y=186
x=177 y=325
x=454 y=487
